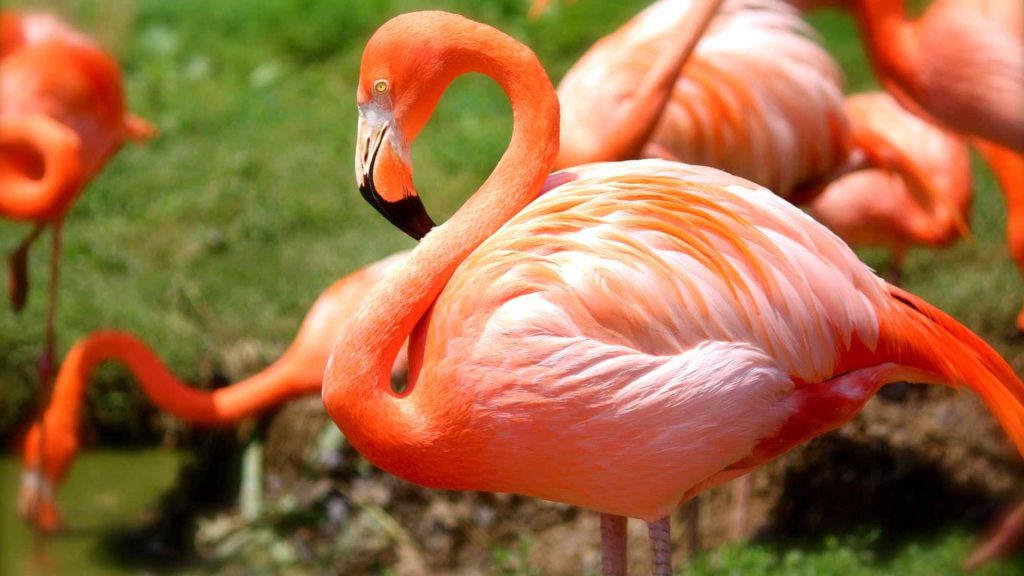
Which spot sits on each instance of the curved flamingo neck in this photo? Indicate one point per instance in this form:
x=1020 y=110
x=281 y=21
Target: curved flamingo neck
x=40 y=171
x=383 y=426
x=206 y=408
x=635 y=120
x=888 y=37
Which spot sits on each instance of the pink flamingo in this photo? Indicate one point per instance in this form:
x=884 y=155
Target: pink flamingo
x=51 y=445
x=875 y=207
x=618 y=336
x=960 y=64
x=62 y=116
x=758 y=97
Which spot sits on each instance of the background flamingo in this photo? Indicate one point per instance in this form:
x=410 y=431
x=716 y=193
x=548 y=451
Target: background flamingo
x=961 y=64
x=639 y=332
x=50 y=446
x=759 y=96
x=62 y=116
x=874 y=207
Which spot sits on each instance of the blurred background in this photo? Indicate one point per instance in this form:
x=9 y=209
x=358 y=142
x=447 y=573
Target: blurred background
x=212 y=240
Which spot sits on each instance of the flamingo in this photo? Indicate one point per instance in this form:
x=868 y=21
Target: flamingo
x=51 y=445
x=960 y=64
x=18 y=30
x=62 y=116
x=759 y=97
x=874 y=207
x=617 y=336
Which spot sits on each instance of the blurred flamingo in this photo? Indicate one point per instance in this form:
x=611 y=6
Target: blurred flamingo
x=62 y=116
x=961 y=64
x=874 y=207
x=759 y=97
x=617 y=336
x=50 y=446
x=18 y=30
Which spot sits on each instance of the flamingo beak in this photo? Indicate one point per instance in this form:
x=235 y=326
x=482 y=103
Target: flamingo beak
x=384 y=175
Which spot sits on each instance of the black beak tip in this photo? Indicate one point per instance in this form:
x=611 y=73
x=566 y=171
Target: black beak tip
x=410 y=216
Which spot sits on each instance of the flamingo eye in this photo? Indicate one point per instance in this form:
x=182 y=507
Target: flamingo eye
x=380 y=87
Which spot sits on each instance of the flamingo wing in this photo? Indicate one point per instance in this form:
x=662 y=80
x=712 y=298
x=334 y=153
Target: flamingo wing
x=760 y=98
x=646 y=316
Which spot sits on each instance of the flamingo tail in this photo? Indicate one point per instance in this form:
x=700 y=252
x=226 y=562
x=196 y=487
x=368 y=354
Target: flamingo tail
x=930 y=340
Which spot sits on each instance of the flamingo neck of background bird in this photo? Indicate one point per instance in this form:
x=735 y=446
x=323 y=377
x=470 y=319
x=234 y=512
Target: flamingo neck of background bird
x=203 y=407
x=357 y=390
x=888 y=37
x=635 y=120
x=1008 y=168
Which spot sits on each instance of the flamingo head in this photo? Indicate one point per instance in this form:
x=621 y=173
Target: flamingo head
x=46 y=459
x=402 y=78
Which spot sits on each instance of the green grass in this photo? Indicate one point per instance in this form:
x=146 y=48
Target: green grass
x=847 y=556
x=844 y=557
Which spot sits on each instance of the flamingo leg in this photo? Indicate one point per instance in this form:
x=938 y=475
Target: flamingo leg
x=46 y=361
x=17 y=269
x=613 y=545
x=1007 y=538
x=50 y=332
x=894 y=275
x=742 y=488
x=661 y=546
x=691 y=518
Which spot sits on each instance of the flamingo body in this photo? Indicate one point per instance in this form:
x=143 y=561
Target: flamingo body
x=635 y=335
x=759 y=97
x=56 y=80
x=631 y=365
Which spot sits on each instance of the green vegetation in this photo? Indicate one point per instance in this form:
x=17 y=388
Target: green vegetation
x=843 y=557
x=212 y=240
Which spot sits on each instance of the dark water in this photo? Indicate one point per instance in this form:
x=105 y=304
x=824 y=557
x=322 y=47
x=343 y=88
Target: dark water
x=106 y=490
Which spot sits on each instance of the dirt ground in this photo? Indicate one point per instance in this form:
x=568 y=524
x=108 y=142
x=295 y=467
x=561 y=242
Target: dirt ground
x=915 y=462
